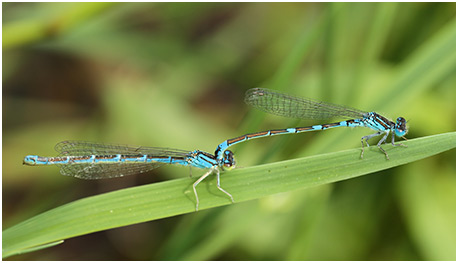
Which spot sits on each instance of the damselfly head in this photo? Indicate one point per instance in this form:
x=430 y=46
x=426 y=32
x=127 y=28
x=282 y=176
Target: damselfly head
x=228 y=161
x=401 y=127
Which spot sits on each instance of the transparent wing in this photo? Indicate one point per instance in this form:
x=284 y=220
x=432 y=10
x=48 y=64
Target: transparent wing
x=109 y=170
x=295 y=107
x=90 y=171
x=76 y=148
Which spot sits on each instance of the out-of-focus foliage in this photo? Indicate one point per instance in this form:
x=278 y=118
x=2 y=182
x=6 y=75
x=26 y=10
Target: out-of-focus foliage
x=174 y=75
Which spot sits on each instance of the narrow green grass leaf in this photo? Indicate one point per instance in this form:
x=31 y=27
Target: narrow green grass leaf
x=39 y=247
x=379 y=31
x=427 y=65
x=175 y=197
x=295 y=58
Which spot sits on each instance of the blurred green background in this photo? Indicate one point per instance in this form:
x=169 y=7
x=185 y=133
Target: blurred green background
x=174 y=75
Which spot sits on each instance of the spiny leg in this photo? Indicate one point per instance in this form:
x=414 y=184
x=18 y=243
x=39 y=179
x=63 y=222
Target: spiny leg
x=197 y=182
x=380 y=143
x=398 y=144
x=219 y=186
x=367 y=138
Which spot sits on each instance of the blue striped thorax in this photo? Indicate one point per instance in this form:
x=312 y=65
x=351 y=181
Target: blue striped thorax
x=201 y=159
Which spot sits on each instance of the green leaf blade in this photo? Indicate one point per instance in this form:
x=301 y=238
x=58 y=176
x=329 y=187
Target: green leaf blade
x=166 y=199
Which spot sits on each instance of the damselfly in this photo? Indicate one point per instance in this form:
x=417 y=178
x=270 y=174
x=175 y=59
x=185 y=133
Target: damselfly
x=88 y=160
x=304 y=108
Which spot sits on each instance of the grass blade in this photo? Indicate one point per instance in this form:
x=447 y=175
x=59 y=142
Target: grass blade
x=165 y=199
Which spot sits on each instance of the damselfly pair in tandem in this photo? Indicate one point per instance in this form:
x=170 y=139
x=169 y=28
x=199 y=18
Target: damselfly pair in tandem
x=87 y=160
